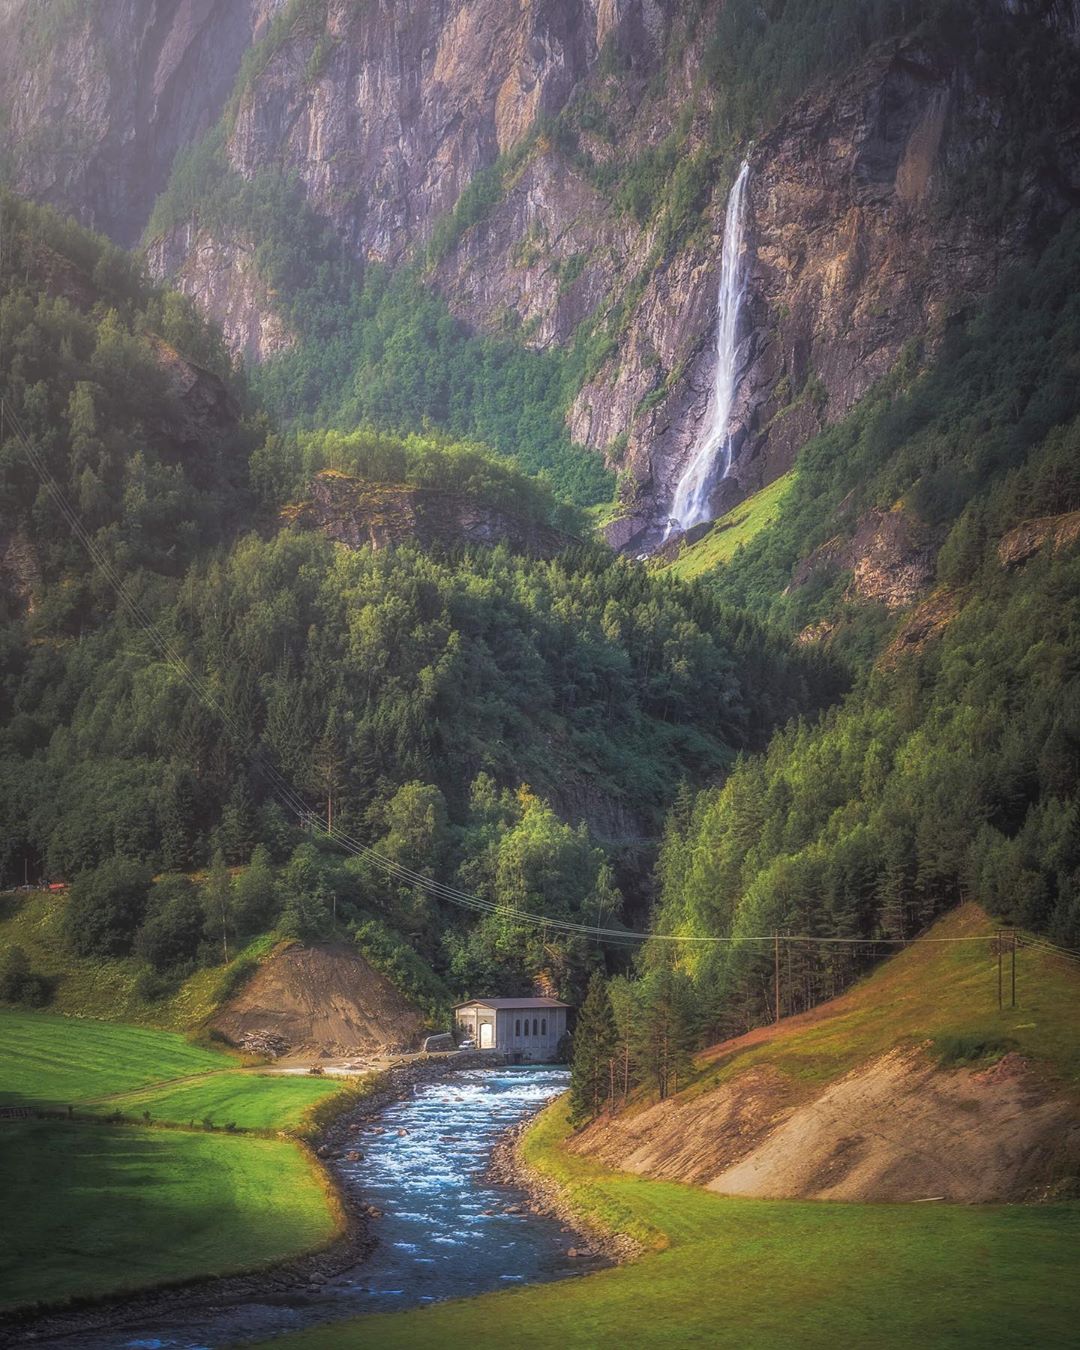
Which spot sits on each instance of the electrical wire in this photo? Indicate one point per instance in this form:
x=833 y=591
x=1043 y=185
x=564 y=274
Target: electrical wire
x=293 y=802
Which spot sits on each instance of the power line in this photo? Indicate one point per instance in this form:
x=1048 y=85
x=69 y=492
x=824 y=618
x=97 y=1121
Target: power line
x=293 y=802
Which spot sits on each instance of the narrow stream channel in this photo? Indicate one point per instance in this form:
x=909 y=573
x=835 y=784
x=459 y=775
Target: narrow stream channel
x=445 y=1232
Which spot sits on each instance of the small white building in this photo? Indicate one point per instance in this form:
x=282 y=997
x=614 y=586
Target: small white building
x=526 y=1030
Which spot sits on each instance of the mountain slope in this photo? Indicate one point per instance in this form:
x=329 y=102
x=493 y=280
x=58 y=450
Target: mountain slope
x=871 y=1097
x=552 y=180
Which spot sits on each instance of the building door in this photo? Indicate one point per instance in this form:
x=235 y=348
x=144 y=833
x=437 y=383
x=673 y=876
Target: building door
x=487 y=1035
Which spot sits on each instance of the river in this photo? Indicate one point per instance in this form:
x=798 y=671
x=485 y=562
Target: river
x=444 y=1230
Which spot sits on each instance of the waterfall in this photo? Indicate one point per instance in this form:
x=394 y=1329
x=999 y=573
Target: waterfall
x=711 y=458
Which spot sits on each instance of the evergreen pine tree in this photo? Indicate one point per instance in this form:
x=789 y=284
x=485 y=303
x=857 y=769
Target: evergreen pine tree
x=666 y=1030
x=594 y=1048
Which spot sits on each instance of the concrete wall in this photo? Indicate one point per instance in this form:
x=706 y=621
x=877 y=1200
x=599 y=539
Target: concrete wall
x=512 y=1030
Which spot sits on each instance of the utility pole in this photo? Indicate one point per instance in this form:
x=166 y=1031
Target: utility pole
x=1014 y=968
x=999 y=942
x=776 y=971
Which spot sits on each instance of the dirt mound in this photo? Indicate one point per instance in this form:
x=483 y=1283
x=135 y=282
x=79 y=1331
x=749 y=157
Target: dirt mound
x=691 y=1139
x=901 y=1128
x=897 y=1129
x=850 y=1102
x=324 y=998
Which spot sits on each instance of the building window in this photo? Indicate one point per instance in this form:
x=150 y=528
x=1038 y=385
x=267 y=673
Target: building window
x=517 y=1027
x=543 y=1026
x=534 y=1027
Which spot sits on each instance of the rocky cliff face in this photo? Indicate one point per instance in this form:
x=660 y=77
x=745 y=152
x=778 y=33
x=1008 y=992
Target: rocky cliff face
x=855 y=248
x=386 y=114
x=859 y=238
x=100 y=97
x=358 y=513
x=218 y=271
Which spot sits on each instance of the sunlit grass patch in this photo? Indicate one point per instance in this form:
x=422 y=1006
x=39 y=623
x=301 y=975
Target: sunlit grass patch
x=733 y=530
x=93 y=1209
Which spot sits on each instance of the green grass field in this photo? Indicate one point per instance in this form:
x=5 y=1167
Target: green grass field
x=58 y=1060
x=89 y=1209
x=95 y=1209
x=98 y=1067
x=251 y=1101
x=730 y=532
x=767 y=1275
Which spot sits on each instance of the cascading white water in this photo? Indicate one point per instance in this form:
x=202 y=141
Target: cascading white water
x=711 y=458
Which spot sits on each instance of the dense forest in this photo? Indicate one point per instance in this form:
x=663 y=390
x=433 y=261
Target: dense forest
x=537 y=733
x=438 y=705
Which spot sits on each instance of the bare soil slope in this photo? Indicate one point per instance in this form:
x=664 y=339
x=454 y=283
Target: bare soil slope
x=322 y=999
x=852 y=1102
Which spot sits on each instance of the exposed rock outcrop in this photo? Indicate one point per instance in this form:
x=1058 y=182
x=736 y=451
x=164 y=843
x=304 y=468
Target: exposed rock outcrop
x=355 y=512
x=926 y=622
x=20 y=574
x=220 y=275
x=1056 y=532
x=890 y=556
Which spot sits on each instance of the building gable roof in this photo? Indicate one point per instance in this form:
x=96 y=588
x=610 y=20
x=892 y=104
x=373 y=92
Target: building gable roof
x=512 y=1003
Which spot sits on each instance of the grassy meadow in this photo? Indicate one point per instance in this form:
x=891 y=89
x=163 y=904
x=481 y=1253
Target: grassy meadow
x=744 y=1274
x=100 y=1068
x=732 y=531
x=59 y=1061
x=94 y=1209
x=943 y=992
x=250 y=1101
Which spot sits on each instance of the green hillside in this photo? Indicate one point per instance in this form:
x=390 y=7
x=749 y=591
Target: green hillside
x=950 y=768
x=735 y=1272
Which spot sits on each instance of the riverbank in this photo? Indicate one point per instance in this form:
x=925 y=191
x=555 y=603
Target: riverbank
x=549 y=1196
x=327 y=1147
x=738 y=1274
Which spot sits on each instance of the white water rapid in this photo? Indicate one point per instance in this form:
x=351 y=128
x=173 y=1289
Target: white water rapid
x=711 y=458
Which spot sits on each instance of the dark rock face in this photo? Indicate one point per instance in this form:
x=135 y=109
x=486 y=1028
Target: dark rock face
x=100 y=102
x=20 y=574
x=200 y=414
x=1058 y=533
x=380 y=515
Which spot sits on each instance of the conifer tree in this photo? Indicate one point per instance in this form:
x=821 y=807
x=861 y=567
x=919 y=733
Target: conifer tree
x=594 y=1049
x=666 y=1031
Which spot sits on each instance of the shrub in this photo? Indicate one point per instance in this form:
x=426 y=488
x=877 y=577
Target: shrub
x=954 y=1051
x=22 y=985
x=107 y=908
